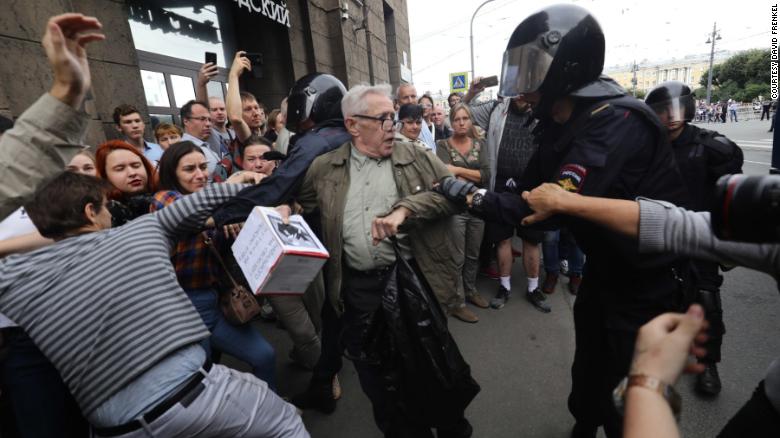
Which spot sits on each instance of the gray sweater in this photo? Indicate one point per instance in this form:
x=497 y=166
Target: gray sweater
x=104 y=307
x=664 y=227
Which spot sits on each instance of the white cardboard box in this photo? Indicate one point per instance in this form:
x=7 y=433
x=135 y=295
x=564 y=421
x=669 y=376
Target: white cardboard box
x=278 y=258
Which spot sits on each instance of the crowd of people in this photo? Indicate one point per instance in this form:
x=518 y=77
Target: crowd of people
x=113 y=277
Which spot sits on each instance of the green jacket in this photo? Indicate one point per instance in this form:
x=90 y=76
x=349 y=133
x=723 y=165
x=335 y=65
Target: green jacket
x=430 y=234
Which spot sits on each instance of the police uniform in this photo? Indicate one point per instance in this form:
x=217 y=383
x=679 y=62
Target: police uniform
x=703 y=156
x=614 y=148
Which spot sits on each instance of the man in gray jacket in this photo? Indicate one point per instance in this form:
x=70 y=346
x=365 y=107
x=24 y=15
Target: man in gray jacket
x=510 y=146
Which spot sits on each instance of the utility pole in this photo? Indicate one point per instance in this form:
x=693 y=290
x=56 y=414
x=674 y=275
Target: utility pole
x=634 y=69
x=471 y=36
x=711 y=40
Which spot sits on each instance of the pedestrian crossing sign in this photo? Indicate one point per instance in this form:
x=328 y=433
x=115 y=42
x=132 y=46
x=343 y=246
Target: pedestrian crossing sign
x=459 y=82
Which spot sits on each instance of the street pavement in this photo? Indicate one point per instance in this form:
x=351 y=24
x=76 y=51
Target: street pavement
x=522 y=357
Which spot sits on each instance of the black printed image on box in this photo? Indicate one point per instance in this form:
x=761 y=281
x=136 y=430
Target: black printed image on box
x=278 y=258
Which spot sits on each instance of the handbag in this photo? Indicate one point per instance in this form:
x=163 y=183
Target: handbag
x=238 y=305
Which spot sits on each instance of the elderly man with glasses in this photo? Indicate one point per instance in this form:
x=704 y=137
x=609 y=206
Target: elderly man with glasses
x=365 y=191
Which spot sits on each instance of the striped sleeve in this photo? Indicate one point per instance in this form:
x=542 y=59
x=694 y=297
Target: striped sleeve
x=188 y=215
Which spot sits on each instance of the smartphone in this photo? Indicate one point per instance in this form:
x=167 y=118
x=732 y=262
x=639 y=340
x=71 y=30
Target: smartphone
x=211 y=57
x=255 y=58
x=490 y=81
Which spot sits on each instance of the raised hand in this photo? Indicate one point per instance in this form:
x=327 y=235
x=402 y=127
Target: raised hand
x=65 y=42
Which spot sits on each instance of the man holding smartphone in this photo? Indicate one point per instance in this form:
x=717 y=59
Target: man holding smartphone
x=508 y=124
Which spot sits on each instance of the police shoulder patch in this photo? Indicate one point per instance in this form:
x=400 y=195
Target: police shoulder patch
x=571 y=177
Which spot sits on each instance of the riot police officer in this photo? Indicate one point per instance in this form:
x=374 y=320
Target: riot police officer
x=314 y=116
x=702 y=156
x=595 y=140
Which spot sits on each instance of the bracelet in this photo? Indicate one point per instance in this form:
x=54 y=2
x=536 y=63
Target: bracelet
x=665 y=390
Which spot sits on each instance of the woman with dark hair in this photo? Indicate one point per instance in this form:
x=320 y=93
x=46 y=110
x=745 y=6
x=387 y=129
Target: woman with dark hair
x=464 y=155
x=184 y=170
x=410 y=122
x=132 y=179
x=426 y=102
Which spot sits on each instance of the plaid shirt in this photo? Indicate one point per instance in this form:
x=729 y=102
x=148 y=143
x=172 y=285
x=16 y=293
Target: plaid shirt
x=191 y=258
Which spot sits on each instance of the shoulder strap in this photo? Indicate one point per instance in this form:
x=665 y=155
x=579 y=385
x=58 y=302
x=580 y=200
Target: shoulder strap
x=210 y=243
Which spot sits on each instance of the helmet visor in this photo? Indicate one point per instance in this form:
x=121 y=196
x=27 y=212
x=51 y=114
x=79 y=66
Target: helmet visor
x=523 y=70
x=678 y=109
x=298 y=110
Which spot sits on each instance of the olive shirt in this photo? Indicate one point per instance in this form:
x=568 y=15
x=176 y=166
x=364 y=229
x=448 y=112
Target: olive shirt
x=415 y=170
x=371 y=193
x=475 y=159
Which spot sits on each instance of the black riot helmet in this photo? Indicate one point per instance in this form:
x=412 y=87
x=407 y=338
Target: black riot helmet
x=554 y=51
x=315 y=97
x=673 y=98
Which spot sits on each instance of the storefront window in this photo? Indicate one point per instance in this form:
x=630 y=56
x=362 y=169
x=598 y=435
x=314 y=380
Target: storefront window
x=154 y=88
x=161 y=118
x=183 y=90
x=215 y=89
x=182 y=32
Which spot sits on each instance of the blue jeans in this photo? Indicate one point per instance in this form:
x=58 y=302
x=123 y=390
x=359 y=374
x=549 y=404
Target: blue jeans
x=242 y=342
x=569 y=248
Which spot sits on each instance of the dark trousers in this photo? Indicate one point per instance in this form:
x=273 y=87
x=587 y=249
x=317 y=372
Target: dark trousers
x=601 y=359
x=708 y=282
x=329 y=364
x=765 y=110
x=362 y=297
x=757 y=418
x=42 y=404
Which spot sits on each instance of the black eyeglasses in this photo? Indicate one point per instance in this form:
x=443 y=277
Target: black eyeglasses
x=387 y=120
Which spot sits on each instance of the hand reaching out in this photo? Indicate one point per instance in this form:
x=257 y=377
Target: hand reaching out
x=664 y=345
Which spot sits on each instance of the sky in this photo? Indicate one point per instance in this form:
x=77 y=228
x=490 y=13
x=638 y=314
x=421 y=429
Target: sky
x=636 y=30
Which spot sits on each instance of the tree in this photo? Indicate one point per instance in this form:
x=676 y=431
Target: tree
x=742 y=77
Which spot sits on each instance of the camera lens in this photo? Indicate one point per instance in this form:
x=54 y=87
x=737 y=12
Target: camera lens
x=747 y=208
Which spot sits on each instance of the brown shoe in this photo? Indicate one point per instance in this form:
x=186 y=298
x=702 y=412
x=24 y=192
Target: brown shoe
x=464 y=314
x=574 y=283
x=550 y=281
x=478 y=301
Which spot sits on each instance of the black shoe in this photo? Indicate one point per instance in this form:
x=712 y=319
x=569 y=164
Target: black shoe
x=502 y=296
x=536 y=297
x=708 y=382
x=318 y=396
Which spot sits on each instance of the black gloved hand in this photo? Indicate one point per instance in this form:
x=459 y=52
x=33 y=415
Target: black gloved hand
x=454 y=189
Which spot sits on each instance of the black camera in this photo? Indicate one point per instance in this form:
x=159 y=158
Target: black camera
x=747 y=208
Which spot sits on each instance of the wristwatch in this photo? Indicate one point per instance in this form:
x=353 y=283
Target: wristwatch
x=667 y=391
x=477 y=198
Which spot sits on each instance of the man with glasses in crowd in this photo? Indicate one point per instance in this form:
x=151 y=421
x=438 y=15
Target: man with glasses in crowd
x=365 y=190
x=196 y=118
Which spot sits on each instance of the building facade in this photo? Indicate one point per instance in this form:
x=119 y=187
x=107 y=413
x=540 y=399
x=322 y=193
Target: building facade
x=688 y=70
x=154 y=49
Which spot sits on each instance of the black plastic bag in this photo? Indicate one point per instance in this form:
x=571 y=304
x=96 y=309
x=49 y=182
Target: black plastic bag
x=422 y=364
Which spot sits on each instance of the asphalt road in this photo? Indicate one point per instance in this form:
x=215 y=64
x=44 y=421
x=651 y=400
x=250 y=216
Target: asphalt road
x=522 y=357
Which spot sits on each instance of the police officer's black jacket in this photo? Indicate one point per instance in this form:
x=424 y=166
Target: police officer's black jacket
x=282 y=185
x=614 y=148
x=703 y=156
